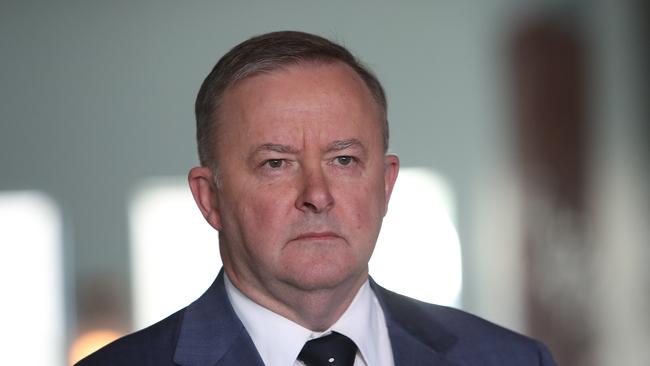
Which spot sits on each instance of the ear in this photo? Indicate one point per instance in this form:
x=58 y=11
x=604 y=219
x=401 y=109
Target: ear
x=391 y=169
x=204 y=190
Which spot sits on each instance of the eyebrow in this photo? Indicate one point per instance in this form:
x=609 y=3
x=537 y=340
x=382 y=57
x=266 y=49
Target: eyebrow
x=288 y=149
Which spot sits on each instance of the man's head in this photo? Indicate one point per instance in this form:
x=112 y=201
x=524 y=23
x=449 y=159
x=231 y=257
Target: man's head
x=304 y=180
x=264 y=54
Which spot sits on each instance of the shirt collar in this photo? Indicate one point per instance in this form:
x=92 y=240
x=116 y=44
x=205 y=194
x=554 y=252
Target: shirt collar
x=281 y=346
x=361 y=321
x=277 y=339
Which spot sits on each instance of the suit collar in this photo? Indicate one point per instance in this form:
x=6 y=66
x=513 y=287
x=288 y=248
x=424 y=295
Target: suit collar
x=416 y=338
x=211 y=333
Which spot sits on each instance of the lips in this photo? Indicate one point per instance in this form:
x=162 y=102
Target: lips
x=324 y=235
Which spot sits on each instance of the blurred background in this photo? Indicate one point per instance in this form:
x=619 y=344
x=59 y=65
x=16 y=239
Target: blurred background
x=522 y=126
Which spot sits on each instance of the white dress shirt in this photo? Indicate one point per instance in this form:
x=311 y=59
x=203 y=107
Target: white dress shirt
x=279 y=340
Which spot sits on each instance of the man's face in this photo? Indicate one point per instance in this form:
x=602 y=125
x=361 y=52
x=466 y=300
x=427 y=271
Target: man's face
x=303 y=179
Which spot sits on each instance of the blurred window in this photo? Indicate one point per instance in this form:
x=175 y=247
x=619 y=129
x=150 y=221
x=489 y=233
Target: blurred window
x=175 y=254
x=31 y=279
x=418 y=250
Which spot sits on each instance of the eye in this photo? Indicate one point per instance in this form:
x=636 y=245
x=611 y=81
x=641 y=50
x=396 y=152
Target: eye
x=344 y=160
x=274 y=163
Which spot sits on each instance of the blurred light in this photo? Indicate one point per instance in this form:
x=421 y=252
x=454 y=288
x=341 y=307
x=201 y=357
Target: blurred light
x=175 y=253
x=31 y=279
x=418 y=250
x=90 y=342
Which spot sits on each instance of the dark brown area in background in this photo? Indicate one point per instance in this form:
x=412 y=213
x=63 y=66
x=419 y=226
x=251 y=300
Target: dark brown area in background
x=553 y=135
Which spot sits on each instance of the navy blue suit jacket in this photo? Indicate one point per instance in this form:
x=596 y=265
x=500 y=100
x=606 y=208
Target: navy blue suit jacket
x=208 y=332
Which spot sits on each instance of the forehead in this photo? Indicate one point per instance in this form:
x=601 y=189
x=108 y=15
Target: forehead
x=322 y=96
x=314 y=77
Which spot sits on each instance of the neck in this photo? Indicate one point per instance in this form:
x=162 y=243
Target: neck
x=314 y=309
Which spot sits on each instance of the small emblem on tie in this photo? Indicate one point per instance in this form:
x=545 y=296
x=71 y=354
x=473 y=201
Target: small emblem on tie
x=334 y=349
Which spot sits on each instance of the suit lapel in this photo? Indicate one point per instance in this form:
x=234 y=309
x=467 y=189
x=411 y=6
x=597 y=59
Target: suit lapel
x=211 y=333
x=416 y=338
x=408 y=350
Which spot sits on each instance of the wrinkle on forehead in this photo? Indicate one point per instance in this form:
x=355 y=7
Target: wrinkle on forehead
x=297 y=99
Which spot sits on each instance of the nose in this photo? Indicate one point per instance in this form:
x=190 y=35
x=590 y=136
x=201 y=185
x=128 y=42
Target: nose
x=315 y=195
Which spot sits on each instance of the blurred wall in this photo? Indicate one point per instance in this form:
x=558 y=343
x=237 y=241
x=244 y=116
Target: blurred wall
x=98 y=96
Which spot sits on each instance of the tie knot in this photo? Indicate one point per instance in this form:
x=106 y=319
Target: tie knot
x=334 y=349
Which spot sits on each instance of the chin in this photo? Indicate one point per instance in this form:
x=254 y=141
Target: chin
x=325 y=276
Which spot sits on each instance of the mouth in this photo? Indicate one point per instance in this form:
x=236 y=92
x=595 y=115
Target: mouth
x=323 y=235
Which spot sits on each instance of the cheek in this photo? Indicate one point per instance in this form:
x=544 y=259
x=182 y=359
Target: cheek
x=364 y=207
x=264 y=212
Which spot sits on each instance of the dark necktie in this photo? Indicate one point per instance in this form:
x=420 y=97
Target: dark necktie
x=334 y=349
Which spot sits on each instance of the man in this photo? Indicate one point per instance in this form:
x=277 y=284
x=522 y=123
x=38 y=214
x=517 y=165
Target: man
x=294 y=175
